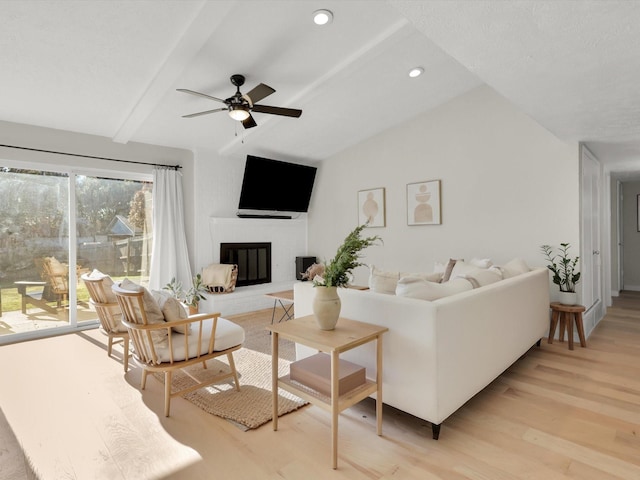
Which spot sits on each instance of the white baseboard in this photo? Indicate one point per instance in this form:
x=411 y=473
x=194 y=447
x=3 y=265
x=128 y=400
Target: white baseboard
x=633 y=288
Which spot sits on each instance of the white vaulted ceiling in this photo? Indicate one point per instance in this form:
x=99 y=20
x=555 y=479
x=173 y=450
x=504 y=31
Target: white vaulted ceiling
x=111 y=68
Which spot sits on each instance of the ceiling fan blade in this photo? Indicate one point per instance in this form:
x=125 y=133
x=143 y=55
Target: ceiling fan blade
x=249 y=122
x=191 y=115
x=200 y=94
x=287 y=112
x=259 y=92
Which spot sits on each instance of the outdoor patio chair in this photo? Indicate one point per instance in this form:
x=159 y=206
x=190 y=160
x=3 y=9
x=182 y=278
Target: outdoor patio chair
x=56 y=276
x=106 y=306
x=165 y=344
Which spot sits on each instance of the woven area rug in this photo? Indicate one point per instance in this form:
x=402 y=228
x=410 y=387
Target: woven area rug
x=252 y=405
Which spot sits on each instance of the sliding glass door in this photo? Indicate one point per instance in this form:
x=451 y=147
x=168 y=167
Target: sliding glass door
x=42 y=259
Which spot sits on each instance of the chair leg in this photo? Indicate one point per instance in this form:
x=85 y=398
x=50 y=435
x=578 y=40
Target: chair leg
x=110 y=346
x=143 y=382
x=167 y=392
x=126 y=355
x=232 y=364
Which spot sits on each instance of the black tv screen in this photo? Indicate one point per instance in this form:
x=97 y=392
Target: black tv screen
x=275 y=185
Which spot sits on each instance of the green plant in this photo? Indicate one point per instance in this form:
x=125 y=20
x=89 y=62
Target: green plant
x=190 y=297
x=563 y=267
x=175 y=287
x=337 y=271
x=196 y=292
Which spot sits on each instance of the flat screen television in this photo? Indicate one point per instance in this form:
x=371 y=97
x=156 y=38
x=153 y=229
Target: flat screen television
x=275 y=186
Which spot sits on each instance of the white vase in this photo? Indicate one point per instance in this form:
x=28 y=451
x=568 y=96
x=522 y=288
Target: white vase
x=568 y=298
x=326 y=307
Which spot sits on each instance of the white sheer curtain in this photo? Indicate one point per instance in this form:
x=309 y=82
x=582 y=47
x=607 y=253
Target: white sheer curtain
x=170 y=257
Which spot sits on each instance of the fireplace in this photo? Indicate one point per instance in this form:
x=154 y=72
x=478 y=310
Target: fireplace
x=253 y=260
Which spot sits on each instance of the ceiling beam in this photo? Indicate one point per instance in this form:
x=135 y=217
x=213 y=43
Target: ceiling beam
x=204 y=23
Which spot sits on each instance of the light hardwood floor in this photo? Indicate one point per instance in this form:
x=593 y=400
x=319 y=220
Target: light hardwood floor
x=555 y=414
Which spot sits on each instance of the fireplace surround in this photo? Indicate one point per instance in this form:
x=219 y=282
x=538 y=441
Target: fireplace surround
x=288 y=239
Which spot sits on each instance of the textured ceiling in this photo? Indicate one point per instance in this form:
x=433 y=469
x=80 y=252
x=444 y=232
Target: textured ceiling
x=111 y=68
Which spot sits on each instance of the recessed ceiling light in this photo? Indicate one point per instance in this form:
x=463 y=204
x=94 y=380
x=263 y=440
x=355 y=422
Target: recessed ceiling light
x=416 y=72
x=322 y=17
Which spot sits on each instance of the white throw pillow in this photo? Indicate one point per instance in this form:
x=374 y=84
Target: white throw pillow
x=107 y=283
x=415 y=287
x=460 y=268
x=381 y=281
x=481 y=262
x=172 y=309
x=515 y=267
x=151 y=308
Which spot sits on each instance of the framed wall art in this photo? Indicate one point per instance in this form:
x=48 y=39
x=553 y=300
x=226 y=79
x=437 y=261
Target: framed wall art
x=371 y=207
x=423 y=203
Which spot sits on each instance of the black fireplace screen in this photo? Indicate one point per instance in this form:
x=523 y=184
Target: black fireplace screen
x=253 y=260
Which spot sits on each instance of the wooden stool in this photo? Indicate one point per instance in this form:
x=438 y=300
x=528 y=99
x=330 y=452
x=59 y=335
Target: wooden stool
x=567 y=314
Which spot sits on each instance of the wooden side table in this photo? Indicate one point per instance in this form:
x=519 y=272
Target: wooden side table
x=567 y=314
x=348 y=334
x=286 y=302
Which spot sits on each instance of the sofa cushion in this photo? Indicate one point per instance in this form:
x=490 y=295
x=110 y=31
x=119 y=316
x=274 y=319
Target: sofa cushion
x=228 y=334
x=55 y=267
x=381 y=281
x=479 y=277
x=415 y=287
x=514 y=267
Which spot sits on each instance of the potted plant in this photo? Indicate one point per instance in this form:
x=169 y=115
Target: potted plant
x=190 y=297
x=337 y=273
x=195 y=294
x=563 y=267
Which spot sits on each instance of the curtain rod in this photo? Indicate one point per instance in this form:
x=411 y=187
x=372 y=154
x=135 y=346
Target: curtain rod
x=175 y=167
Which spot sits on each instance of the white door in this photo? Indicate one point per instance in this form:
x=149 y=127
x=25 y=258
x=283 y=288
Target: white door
x=591 y=267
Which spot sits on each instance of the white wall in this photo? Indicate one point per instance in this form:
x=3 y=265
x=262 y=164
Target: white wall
x=630 y=236
x=508 y=186
x=218 y=181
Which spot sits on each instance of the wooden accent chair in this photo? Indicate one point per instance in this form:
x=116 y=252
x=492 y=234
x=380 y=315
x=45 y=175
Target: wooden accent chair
x=165 y=346
x=106 y=306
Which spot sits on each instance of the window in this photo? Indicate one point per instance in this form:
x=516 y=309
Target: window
x=42 y=259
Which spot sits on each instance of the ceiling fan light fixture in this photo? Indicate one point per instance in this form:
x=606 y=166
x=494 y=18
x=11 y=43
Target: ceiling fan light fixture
x=322 y=17
x=238 y=112
x=416 y=72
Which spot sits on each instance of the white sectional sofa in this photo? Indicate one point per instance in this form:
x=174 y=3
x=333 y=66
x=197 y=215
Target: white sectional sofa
x=438 y=354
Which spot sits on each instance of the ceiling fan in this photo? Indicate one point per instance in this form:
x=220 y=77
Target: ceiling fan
x=241 y=105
